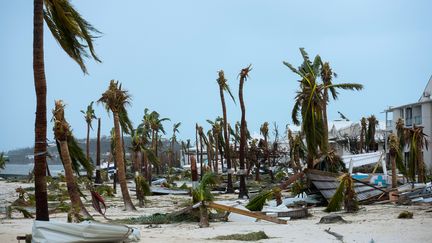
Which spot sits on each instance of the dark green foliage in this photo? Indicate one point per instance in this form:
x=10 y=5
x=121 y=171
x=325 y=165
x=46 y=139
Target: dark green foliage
x=202 y=192
x=24 y=211
x=105 y=190
x=159 y=218
x=143 y=185
x=72 y=32
x=335 y=203
x=253 y=236
x=258 y=201
x=405 y=215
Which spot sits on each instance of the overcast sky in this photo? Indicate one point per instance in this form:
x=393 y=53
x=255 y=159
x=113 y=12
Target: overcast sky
x=167 y=54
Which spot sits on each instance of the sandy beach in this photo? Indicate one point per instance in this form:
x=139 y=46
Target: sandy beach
x=377 y=222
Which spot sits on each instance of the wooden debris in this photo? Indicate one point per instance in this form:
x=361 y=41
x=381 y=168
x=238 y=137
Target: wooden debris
x=245 y=212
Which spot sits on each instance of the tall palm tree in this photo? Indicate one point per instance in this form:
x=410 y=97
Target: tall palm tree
x=223 y=86
x=75 y=35
x=156 y=127
x=115 y=100
x=89 y=115
x=327 y=75
x=62 y=134
x=244 y=74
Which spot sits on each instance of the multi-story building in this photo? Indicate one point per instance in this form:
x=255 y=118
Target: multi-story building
x=418 y=114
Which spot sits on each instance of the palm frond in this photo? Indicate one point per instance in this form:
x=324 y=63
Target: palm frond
x=74 y=34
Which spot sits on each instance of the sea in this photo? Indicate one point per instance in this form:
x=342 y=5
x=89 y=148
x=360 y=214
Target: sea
x=24 y=169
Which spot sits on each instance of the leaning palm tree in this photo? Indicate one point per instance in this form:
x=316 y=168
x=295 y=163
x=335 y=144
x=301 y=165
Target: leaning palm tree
x=115 y=100
x=75 y=35
x=244 y=74
x=89 y=115
x=62 y=135
x=327 y=75
x=223 y=86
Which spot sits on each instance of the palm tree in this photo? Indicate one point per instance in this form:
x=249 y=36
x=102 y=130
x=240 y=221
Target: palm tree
x=416 y=141
x=156 y=126
x=62 y=134
x=370 y=135
x=223 y=86
x=115 y=100
x=264 y=129
x=244 y=74
x=173 y=141
x=89 y=115
x=395 y=153
x=309 y=103
x=70 y=30
x=362 y=134
x=203 y=194
x=327 y=75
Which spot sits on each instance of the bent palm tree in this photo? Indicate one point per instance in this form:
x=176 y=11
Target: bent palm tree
x=395 y=154
x=362 y=134
x=173 y=141
x=223 y=86
x=62 y=134
x=75 y=36
x=115 y=100
x=415 y=138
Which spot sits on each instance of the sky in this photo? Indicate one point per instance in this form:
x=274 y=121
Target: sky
x=167 y=54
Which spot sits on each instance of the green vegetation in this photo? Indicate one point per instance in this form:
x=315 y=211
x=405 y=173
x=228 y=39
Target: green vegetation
x=253 y=236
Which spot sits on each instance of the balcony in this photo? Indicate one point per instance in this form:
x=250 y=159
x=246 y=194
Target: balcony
x=389 y=125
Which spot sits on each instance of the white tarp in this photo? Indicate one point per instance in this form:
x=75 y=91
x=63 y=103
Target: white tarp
x=87 y=231
x=361 y=159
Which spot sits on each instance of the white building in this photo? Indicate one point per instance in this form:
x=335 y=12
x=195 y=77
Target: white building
x=418 y=113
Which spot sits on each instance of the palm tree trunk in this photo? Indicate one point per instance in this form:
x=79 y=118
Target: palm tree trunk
x=88 y=142
x=204 y=218
x=393 y=163
x=77 y=205
x=120 y=166
x=242 y=189
x=227 y=153
x=325 y=123
x=98 y=179
x=420 y=165
x=40 y=148
x=201 y=158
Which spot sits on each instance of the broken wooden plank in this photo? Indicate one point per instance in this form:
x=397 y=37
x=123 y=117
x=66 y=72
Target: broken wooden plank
x=245 y=212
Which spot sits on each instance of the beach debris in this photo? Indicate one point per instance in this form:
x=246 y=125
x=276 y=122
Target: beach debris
x=415 y=193
x=327 y=184
x=87 y=231
x=258 y=201
x=98 y=202
x=245 y=213
x=253 y=236
x=331 y=219
x=26 y=238
x=22 y=210
x=338 y=236
x=405 y=215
